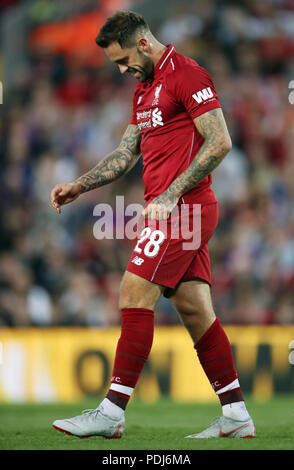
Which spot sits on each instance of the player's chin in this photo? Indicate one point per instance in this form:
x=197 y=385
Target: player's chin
x=141 y=76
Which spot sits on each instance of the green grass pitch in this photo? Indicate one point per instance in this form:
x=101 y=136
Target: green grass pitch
x=162 y=425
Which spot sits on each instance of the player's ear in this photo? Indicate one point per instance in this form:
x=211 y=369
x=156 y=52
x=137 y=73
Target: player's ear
x=143 y=45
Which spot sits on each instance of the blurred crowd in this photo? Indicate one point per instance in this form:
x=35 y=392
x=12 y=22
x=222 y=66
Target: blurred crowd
x=61 y=118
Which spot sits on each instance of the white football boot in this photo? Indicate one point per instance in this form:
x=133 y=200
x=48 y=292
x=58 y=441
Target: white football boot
x=92 y=423
x=227 y=427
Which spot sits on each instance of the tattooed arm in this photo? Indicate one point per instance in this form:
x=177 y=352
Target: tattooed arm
x=116 y=164
x=217 y=143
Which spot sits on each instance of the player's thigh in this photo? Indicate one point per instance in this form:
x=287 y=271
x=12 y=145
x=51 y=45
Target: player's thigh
x=192 y=299
x=136 y=291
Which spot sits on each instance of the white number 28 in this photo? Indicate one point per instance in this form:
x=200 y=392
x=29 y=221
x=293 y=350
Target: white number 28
x=156 y=238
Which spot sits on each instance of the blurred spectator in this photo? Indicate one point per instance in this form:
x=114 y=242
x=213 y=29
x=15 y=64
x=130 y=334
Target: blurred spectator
x=62 y=116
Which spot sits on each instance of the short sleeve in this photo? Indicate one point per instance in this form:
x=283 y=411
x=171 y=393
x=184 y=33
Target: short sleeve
x=194 y=88
x=135 y=102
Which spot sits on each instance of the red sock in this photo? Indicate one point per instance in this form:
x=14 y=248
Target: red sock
x=215 y=355
x=132 y=351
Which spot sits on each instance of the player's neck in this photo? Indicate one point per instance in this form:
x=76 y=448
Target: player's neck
x=158 y=51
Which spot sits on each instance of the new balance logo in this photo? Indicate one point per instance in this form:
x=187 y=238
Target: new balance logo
x=203 y=95
x=138 y=261
x=156 y=118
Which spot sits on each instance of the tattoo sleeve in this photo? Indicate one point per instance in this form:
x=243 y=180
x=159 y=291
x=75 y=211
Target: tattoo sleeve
x=116 y=164
x=217 y=143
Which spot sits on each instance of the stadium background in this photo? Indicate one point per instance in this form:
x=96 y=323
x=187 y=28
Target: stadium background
x=64 y=108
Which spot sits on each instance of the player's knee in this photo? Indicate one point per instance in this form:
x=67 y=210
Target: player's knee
x=185 y=307
x=130 y=299
x=127 y=299
x=137 y=293
x=192 y=312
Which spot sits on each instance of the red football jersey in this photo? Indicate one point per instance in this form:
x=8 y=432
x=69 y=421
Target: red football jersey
x=164 y=107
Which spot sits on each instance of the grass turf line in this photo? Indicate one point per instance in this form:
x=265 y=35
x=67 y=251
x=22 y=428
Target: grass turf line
x=159 y=426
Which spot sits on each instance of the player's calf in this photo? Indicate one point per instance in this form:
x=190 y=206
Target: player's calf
x=137 y=300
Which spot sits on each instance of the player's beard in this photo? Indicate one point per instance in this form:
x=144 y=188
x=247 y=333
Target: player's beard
x=145 y=70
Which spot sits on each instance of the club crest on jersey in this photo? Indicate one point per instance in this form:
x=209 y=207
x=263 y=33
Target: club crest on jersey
x=156 y=95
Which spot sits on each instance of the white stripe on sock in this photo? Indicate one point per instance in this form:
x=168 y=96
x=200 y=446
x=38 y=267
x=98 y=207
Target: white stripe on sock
x=111 y=409
x=231 y=386
x=122 y=389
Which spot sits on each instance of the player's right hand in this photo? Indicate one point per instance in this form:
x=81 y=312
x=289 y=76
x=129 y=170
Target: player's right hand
x=64 y=194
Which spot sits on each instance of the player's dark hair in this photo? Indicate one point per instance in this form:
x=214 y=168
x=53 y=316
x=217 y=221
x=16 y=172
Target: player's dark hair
x=122 y=28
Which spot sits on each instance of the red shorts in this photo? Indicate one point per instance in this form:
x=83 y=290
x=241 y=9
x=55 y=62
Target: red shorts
x=178 y=251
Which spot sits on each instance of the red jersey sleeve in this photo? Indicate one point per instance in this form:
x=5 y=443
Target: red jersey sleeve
x=194 y=88
x=134 y=114
x=135 y=102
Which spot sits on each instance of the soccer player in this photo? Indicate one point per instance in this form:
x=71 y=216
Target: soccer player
x=178 y=126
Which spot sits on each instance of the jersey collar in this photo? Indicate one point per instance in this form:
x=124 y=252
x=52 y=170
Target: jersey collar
x=164 y=60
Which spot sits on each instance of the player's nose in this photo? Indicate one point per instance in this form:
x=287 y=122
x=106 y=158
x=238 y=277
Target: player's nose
x=122 y=68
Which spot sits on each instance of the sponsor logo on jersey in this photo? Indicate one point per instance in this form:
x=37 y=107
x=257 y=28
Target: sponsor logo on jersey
x=151 y=118
x=144 y=115
x=203 y=95
x=157 y=117
x=138 y=261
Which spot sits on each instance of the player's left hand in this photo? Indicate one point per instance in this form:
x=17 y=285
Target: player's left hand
x=161 y=207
